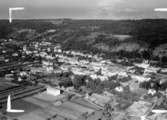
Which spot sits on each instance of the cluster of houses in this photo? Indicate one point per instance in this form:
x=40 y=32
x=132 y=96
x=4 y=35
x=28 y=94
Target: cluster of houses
x=52 y=59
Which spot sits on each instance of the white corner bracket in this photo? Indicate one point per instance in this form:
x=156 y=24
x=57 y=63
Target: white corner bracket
x=13 y=9
x=9 y=108
x=160 y=9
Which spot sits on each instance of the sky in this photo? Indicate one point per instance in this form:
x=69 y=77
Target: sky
x=84 y=9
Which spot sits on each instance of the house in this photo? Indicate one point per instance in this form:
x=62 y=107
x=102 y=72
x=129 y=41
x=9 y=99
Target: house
x=53 y=91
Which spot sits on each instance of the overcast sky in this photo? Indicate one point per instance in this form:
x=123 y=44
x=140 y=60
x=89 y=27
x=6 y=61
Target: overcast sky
x=84 y=9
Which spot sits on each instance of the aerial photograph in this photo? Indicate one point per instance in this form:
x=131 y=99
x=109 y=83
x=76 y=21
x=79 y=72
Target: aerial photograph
x=83 y=59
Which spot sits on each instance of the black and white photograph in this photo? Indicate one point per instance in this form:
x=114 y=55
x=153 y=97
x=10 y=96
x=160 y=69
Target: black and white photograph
x=83 y=59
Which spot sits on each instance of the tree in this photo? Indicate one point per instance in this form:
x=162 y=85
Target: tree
x=5 y=29
x=65 y=82
x=4 y=118
x=108 y=111
x=95 y=85
x=110 y=84
x=85 y=115
x=78 y=81
x=99 y=72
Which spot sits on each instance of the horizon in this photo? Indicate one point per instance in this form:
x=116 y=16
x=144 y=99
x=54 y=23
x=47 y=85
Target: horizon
x=85 y=9
x=84 y=19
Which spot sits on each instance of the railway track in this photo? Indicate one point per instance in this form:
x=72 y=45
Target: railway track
x=15 y=65
x=19 y=92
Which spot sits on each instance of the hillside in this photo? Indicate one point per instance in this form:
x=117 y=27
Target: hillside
x=125 y=38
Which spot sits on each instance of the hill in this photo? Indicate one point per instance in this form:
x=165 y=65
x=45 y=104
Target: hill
x=139 y=38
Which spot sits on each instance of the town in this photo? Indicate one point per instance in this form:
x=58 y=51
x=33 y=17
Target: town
x=75 y=85
x=59 y=80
